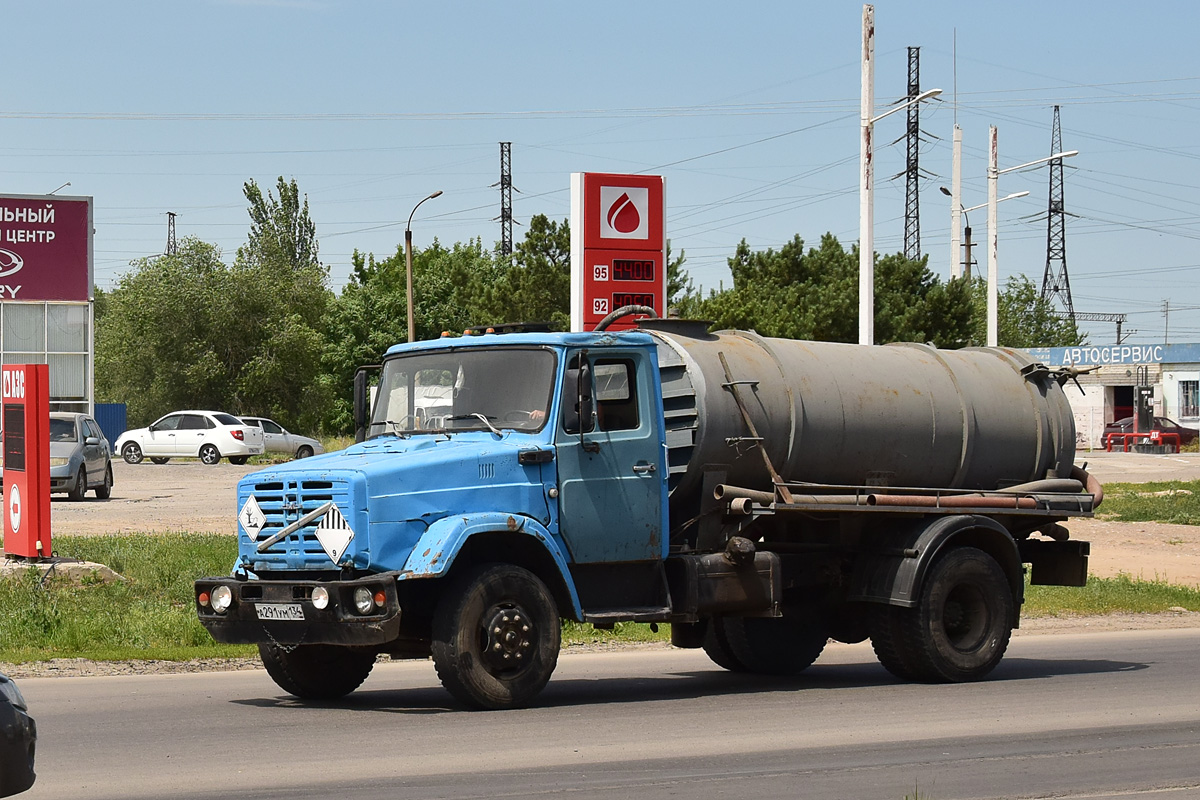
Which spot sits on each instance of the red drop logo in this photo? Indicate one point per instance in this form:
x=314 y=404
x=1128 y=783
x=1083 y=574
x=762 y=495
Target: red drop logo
x=623 y=216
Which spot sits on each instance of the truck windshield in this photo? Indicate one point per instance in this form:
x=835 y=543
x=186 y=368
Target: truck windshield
x=467 y=389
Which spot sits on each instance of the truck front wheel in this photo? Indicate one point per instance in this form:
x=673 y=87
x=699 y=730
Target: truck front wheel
x=958 y=630
x=767 y=645
x=496 y=636
x=317 y=671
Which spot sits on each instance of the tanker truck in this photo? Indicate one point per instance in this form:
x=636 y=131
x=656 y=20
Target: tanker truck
x=761 y=496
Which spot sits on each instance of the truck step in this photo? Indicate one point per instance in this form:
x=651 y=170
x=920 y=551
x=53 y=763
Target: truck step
x=641 y=614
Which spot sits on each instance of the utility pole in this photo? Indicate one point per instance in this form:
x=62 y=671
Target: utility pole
x=912 y=202
x=967 y=245
x=506 y=215
x=172 y=245
x=1166 y=320
x=1055 y=282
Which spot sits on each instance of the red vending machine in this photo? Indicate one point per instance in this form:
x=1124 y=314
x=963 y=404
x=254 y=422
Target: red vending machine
x=26 y=418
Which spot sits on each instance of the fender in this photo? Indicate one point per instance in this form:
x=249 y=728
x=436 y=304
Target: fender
x=896 y=572
x=442 y=541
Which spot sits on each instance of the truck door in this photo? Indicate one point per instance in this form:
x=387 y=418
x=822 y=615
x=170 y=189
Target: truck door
x=611 y=475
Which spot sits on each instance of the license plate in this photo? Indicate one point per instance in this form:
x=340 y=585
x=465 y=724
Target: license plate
x=280 y=611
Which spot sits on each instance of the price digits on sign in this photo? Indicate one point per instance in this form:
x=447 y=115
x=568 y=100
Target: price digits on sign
x=632 y=299
x=626 y=269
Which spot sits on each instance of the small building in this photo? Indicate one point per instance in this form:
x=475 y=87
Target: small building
x=1171 y=370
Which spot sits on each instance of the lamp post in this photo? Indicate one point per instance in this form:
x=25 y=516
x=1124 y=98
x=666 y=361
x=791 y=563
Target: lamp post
x=866 y=187
x=993 y=300
x=408 y=264
x=966 y=263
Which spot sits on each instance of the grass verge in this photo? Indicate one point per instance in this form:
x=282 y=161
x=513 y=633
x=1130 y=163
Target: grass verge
x=150 y=615
x=1163 y=501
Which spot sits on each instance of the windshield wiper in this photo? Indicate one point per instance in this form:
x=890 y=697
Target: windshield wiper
x=484 y=418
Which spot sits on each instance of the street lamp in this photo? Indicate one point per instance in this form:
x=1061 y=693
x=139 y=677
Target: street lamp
x=866 y=188
x=967 y=259
x=408 y=264
x=993 y=299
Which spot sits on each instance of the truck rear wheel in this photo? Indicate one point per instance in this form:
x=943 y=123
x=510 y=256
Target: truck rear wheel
x=958 y=630
x=317 y=671
x=496 y=637
x=767 y=645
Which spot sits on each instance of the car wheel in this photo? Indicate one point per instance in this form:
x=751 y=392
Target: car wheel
x=209 y=454
x=239 y=460
x=80 y=488
x=159 y=459
x=104 y=490
x=304 y=452
x=132 y=453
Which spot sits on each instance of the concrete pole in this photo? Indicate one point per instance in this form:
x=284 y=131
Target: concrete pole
x=993 y=298
x=956 y=206
x=866 y=189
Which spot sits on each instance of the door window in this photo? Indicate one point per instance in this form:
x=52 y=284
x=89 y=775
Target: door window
x=271 y=427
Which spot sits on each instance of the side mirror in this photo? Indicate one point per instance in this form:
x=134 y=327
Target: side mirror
x=92 y=440
x=577 y=400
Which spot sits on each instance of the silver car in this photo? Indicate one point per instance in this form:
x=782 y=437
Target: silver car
x=79 y=456
x=277 y=439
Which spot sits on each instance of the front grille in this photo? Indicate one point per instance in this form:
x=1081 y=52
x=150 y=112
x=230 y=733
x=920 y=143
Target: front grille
x=283 y=502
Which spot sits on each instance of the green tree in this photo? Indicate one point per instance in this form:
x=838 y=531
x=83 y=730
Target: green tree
x=371 y=313
x=1024 y=319
x=281 y=231
x=188 y=331
x=536 y=286
x=813 y=294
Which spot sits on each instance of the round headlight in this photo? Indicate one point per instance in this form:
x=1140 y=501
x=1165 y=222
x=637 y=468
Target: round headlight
x=222 y=599
x=320 y=597
x=364 y=601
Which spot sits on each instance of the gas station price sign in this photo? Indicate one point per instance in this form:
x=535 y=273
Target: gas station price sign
x=618 y=247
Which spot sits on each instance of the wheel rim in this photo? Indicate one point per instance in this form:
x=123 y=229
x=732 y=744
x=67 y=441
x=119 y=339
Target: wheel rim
x=209 y=455
x=966 y=620
x=132 y=453
x=506 y=639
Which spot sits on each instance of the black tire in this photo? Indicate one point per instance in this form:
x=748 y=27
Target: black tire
x=104 y=490
x=210 y=455
x=960 y=627
x=132 y=453
x=888 y=640
x=716 y=647
x=496 y=636
x=159 y=459
x=80 y=488
x=317 y=671
x=770 y=645
x=239 y=460
x=304 y=452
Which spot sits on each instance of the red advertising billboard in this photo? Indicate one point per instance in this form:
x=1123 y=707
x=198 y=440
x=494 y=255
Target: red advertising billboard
x=45 y=248
x=618 y=246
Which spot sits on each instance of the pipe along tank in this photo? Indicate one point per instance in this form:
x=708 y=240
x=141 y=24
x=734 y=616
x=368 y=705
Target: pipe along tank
x=900 y=415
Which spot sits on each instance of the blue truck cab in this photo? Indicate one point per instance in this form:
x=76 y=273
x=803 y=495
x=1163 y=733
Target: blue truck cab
x=524 y=473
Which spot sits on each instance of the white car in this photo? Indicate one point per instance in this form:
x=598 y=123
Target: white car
x=207 y=435
x=277 y=439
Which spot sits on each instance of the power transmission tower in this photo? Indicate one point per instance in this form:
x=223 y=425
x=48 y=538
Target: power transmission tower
x=506 y=218
x=912 y=210
x=172 y=245
x=1055 y=283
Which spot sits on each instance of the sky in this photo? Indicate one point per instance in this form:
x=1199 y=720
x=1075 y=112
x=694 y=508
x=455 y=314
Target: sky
x=749 y=111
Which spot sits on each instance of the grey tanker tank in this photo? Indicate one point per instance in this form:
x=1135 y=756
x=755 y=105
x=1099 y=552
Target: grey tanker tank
x=901 y=415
